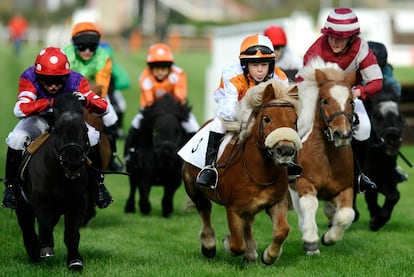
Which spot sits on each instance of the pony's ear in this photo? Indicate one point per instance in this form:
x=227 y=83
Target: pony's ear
x=268 y=93
x=320 y=77
x=293 y=91
x=350 y=78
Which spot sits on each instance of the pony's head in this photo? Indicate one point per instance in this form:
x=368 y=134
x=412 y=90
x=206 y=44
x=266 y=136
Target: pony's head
x=273 y=124
x=387 y=123
x=69 y=132
x=326 y=102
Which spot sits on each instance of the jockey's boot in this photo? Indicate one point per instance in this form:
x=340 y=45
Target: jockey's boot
x=130 y=148
x=14 y=159
x=103 y=197
x=112 y=133
x=208 y=176
x=402 y=176
x=294 y=171
x=364 y=183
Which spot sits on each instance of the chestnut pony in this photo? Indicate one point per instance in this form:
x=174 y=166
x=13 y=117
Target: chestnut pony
x=327 y=107
x=252 y=175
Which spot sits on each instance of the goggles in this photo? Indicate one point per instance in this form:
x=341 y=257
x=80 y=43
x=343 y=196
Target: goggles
x=83 y=47
x=52 y=80
x=253 y=50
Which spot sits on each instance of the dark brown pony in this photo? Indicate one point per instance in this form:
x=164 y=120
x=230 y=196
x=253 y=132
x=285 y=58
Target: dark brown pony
x=106 y=155
x=326 y=157
x=252 y=177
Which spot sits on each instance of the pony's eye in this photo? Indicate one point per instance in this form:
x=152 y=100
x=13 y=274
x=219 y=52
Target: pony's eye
x=266 y=119
x=324 y=101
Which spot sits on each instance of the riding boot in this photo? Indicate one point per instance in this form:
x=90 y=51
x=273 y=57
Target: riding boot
x=14 y=159
x=111 y=131
x=103 y=197
x=402 y=176
x=362 y=182
x=130 y=148
x=208 y=176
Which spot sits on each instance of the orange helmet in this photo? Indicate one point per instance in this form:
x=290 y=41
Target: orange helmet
x=85 y=33
x=160 y=54
x=277 y=35
x=341 y=23
x=257 y=48
x=52 y=61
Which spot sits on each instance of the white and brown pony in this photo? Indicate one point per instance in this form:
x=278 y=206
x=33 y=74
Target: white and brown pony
x=327 y=112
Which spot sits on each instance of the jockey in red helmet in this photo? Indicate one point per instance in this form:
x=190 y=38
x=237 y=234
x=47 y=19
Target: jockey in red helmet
x=340 y=43
x=38 y=87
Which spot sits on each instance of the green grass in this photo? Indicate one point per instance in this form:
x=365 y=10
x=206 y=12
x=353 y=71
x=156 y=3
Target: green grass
x=118 y=244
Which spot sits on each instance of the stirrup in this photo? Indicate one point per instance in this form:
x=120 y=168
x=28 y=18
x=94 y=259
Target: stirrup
x=365 y=183
x=204 y=177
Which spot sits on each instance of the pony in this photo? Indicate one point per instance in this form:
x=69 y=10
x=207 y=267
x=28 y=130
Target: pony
x=54 y=182
x=387 y=126
x=326 y=125
x=156 y=161
x=252 y=175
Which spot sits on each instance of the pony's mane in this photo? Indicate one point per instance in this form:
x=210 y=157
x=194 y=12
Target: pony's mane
x=309 y=90
x=67 y=102
x=252 y=101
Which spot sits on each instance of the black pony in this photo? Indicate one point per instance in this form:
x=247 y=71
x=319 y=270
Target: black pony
x=156 y=161
x=54 y=182
x=381 y=160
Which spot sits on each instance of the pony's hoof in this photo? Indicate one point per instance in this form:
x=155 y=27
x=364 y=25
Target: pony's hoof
x=208 y=252
x=311 y=248
x=324 y=242
x=75 y=265
x=46 y=252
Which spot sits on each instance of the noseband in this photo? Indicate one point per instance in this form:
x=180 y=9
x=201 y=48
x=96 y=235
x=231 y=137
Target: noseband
x=352 y=118
x=277 y=104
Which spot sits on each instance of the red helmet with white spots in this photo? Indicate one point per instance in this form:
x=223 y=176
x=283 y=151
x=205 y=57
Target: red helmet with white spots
x=341 y=23
x=52 y=61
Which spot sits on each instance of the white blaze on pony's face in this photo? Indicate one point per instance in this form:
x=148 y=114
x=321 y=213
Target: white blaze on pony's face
x=341 y=95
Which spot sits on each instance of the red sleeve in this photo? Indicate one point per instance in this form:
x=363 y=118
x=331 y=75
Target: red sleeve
x=94 y=104
x=27 y=104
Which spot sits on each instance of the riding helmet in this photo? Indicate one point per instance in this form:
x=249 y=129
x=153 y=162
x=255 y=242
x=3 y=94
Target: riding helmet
x=86 y=33
x=52 y=61
x=341 y=23
x=160 y=55
x=257 y=48
x=277 y=35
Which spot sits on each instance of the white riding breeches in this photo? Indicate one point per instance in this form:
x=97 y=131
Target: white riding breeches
x=363 y=129
x=29 y=128
x=190 y=126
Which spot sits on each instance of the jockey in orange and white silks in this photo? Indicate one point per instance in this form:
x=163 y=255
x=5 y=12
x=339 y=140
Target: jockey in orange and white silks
x=341 y=44
x=257 y=65
x=162 y=76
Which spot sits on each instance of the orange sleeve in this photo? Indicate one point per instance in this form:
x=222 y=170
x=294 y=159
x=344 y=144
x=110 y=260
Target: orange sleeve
x=280 y=73
x=103 y=77
x=180 y=89
x=145 y=85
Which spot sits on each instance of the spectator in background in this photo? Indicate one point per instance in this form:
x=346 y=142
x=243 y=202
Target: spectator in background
x=286 y=59
x=17 y=31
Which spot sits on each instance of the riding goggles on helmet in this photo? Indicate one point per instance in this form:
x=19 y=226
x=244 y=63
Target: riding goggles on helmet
x=52 y=80
x=251 y=51
x=83 y=47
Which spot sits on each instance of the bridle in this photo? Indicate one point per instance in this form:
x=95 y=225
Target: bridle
x=352 y=118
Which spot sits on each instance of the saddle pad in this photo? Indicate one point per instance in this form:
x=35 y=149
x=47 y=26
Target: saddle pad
x=37 y=142
x=194 y=151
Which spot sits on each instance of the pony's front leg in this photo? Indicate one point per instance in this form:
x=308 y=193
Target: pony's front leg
x=342 y=219
x=278 y=215
x=47 y=220
x=26 y=220
x=384 y=213
x=130 y=204
x=144 y=203
x=207 y=234
x=234 y=243
x=250 y=254
x=72 y=238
